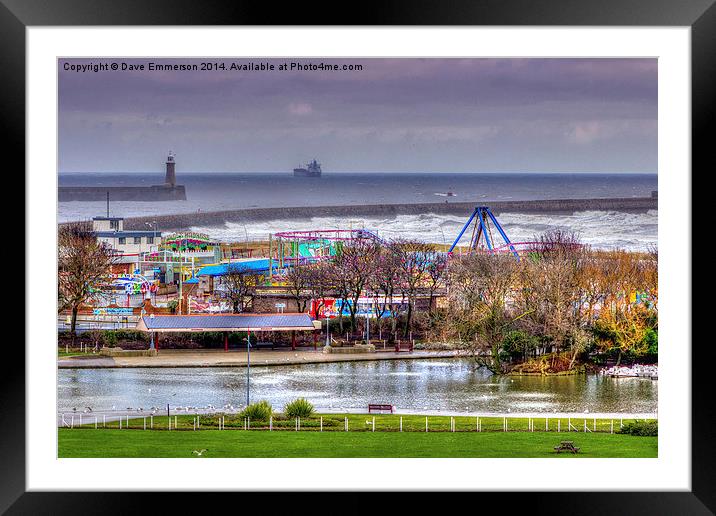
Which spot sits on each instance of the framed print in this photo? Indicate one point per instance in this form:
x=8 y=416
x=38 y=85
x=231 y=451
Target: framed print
x=432 y=250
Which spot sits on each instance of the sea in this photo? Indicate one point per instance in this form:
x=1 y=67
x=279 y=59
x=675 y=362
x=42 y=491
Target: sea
x=228 y=191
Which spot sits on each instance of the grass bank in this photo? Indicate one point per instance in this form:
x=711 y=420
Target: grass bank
x=132 y=443
x=359 y=441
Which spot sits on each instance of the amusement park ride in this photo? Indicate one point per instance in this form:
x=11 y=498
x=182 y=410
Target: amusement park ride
x=483 y=238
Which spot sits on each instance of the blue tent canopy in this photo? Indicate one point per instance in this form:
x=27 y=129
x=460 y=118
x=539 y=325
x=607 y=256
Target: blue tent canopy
x=256 y=266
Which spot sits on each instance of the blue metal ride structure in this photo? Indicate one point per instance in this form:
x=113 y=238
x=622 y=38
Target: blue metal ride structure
x=482 y=236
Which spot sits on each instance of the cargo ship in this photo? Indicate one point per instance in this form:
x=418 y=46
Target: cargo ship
x=313 y=169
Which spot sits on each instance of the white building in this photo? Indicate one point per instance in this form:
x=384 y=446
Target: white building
x=111 y=230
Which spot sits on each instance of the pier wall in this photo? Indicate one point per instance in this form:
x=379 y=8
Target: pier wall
x=218 y=218
x=122 y=193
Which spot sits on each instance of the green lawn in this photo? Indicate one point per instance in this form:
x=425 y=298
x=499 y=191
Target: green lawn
x=88 y=442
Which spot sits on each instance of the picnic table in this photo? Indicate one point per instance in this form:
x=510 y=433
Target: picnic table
x=566 y=446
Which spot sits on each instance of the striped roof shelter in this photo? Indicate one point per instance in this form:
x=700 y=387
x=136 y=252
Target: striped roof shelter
x=226 y=322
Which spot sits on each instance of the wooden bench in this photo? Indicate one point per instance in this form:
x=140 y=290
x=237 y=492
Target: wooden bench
x=566 y=446
x=403 y=346
x=379 y=407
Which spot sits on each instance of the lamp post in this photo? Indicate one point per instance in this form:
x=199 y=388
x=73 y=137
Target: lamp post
x=153 y=225
x=248 y=365
x=181 y=276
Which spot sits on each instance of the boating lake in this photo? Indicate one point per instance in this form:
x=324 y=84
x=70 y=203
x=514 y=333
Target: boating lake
x=450 y=385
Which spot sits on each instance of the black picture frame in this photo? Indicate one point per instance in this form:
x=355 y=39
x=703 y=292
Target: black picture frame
x=700 y=15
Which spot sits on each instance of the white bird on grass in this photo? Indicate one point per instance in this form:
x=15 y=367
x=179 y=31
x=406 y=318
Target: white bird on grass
x=199 y=453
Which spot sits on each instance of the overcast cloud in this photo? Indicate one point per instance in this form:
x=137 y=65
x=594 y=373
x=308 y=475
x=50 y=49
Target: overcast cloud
x=395 y=115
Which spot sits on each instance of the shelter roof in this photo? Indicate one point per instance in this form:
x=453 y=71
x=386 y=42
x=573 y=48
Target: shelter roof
x=226 y=322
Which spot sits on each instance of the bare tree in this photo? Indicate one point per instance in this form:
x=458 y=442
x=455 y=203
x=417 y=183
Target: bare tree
x=83 y=264
x=551 y=294
x=298 y=279
x=319 y=283
x=414 y=260
x=238 y=284
x=436 y=276
x=482 y=285
x=383 y=286
x=354 y=267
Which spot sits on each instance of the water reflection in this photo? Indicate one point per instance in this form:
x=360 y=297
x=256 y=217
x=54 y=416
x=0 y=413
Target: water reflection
x=450 y=384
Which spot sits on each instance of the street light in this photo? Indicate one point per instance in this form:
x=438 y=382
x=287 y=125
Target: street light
x=181 y=275
x=248 y=365
x=153 y=225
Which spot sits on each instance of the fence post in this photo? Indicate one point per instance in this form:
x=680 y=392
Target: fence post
x=373 y=423
x=120 y=422
x=175 y=422
x=270 y=423
x=559 y=423
x=144 y=419
x=193 y=423
x=569 y=424
x=95 y=422
x=104 y=420
x=151 y=422
x=594 y=424
x=585 y=424
x=546 y=424
x=621 y=423
x=401 y=423
x=346 y=423
x=321 y=423
x=504 y=423
x=80 y=419
x=611 y=426
x=426 y=423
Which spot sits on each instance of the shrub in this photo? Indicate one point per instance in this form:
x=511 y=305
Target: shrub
x=651 y=340
x=259 y=411
x=133 y=335
x=109 y=338
x=641 y=428
x=298 y=408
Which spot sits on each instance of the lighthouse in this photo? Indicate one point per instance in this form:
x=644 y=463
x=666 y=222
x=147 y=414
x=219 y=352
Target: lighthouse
x=171 y=177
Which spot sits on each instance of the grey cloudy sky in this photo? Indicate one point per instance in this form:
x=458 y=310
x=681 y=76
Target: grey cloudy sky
x=394 y=115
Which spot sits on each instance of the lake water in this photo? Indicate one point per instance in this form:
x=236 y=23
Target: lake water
x=415 y=385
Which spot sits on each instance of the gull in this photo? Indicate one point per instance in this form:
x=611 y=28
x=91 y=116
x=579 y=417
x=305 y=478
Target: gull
x=74 y=409
x=199 y=452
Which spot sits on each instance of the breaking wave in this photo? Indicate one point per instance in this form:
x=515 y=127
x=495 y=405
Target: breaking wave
x=600 y=229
